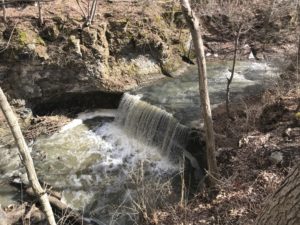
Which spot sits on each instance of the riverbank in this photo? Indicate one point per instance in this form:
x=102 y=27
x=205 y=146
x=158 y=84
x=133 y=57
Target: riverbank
x=254 y=152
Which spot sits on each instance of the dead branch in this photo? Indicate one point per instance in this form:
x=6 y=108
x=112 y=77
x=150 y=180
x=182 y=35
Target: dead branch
x=9 y=39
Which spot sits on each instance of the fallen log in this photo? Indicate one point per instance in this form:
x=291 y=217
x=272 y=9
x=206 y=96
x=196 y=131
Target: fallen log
x=61 y=209
x=12 y=214
x=69 y=214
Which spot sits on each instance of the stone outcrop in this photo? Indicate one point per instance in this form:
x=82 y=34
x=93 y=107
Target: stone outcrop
x=112 y=55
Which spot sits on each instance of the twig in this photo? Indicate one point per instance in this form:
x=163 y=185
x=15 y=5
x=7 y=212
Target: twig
x=84 y=15
x=28 y=215
x=8 y=42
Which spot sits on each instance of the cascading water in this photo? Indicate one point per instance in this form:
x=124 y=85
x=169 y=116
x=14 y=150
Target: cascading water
x=152 y=126
x=93 y=160
x=95 y=163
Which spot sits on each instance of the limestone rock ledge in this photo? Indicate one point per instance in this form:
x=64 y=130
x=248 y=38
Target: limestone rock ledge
x=112 y=55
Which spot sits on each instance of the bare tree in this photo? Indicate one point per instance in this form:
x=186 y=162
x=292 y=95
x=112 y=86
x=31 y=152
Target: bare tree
x=193 y=24
x=237 y=35
x=26 y=158
x=240 y=19
x=88 y=12
x=229 y=79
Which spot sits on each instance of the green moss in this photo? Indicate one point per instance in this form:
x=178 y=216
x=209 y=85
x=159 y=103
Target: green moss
x=297 y=115
x=158 y=19
x=22 y=38
x=132 y=70
x=40 y=41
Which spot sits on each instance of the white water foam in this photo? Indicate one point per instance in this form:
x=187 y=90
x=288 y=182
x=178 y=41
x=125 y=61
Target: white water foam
x=130 y=150
x=85 y=163
x=88 y=115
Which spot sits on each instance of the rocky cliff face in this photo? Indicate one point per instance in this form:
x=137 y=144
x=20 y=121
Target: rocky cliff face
x=114 y=54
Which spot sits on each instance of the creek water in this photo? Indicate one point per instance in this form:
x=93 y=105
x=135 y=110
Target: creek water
x=180 y=96
x=103 y=165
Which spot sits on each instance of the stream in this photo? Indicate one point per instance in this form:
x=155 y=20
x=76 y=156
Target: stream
x=101 y=169
x=180 y=96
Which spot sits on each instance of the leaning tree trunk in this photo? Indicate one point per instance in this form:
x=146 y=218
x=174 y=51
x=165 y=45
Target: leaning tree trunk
x=193 y=24
x=283 y=206
x=26 y=157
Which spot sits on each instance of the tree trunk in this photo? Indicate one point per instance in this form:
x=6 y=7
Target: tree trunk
x=298 y=53
x=91 y=13
x=193 y=24
x=229 y=80
x=26 y=157
x=4 y=11
x=298 y=59
x=41 y=21
x=283 y=206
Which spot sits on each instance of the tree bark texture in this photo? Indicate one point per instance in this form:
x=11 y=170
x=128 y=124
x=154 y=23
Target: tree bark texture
x=26 y=157
x=193 y=24
x=283 y=206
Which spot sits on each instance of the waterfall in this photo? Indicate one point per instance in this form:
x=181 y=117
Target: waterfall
x=152 y=126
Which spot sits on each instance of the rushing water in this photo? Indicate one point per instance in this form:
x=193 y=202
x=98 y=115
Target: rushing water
x=180 y=96
x=97 y=162
x=152 y=126
x=98 y=166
